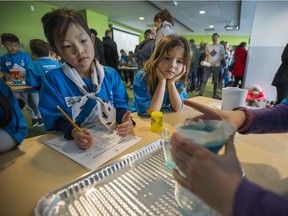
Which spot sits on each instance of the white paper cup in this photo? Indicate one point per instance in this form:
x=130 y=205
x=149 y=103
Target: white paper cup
x=233 y=97
x=205 y=64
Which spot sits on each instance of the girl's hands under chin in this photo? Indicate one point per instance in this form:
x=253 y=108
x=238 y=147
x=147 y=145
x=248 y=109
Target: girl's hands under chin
x=159 y=74
x=177 y=76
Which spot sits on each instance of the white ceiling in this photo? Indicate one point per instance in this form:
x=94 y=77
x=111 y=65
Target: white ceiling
x=186 y=13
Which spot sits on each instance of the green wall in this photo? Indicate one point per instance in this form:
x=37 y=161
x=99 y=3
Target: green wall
x=26 y=24
x=17 y=18
x=97 y=21
x=233 y=40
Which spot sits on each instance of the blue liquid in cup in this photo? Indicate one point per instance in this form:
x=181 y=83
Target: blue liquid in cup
x=214 y=146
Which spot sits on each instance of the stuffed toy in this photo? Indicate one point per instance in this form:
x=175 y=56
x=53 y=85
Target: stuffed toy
x=255 y=95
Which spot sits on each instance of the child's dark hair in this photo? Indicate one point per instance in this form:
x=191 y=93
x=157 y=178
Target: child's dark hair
x=164 y=16
x=9 y=37
x=56 y=23
x=108 y=31
x=93 y=31
x=148 y=31
x=7 y=109
x=39 y=47
x=241 y=45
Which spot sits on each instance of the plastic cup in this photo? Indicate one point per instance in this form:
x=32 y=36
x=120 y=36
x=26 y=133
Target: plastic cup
x=190 y=204
x=22 y=75
x=15 y=74
x=233 y=97
x=156 y=122
x=166 y=149
x=167 y=154
x=199 y=133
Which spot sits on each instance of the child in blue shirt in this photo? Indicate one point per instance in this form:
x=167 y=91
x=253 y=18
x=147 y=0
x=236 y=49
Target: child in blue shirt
x=228 y=79
x=161 y=85
x=40 y=51
x=13 y=127
x=16 y=59
x=124 y=62
x=35 y=73
x=84 y=89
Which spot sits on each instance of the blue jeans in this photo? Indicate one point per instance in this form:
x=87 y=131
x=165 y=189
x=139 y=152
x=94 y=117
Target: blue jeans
x=207 y=74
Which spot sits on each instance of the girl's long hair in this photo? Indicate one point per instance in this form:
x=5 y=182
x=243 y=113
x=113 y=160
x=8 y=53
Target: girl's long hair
x=164 y=16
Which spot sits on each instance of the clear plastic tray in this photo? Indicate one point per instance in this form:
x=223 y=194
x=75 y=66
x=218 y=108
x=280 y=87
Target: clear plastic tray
x=136 y=184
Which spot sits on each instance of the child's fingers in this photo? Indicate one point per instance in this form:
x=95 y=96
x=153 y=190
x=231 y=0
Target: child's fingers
x=126 y=117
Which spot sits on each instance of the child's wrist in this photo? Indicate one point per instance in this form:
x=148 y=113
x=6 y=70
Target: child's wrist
x=73 y=131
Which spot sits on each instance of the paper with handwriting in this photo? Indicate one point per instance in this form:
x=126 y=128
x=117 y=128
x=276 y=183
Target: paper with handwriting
x=107 y=145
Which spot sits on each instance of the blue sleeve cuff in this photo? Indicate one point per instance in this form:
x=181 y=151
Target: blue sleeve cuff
x=65 y=127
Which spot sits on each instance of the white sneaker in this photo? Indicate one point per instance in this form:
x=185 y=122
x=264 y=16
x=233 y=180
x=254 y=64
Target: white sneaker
x=40 y=122
x=34 y=122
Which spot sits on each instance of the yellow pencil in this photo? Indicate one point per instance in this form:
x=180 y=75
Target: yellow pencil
x=70 y=120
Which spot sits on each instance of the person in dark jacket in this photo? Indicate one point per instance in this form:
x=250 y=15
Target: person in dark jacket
x=202 y=56
x=144 y=50
x=192 y=74
x=99 y=48
x=110 y=50
x=280 y=80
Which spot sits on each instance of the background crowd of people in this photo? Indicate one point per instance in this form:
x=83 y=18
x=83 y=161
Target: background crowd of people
x=227 y=68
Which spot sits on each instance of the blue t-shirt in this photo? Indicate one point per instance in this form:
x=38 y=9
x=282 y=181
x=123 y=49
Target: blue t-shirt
x=123 y=60
x=35 y=73
x=227 y=80
x=142 y=98
x=20 y=60
x=60 y=90
x=11 y=128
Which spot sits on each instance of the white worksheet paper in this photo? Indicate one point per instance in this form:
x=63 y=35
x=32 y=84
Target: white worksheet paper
x=107 y=145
